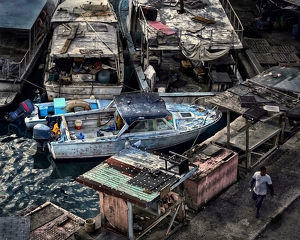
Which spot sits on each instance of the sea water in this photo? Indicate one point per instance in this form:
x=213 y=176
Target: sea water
x=27 y=178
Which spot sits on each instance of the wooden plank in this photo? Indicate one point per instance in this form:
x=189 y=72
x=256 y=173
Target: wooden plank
x=69 y=39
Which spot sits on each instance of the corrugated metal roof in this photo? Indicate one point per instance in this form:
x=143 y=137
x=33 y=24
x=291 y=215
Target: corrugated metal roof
x=20 y=14
x=117 y=179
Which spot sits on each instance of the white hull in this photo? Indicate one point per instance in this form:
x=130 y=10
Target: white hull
x=90 y=148
x=99 y=91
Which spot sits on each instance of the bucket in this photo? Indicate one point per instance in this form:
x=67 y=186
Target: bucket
x=78 y=124
x=89 y=225
x=103 y=76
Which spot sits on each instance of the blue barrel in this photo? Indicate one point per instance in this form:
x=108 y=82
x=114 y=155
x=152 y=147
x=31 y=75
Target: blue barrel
x=103 y=76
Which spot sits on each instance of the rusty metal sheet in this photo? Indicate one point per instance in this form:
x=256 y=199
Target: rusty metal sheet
x=265 y=59
x=153 y=181
x=44 y=216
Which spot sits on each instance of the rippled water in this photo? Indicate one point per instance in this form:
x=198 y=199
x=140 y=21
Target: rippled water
x=27 y=178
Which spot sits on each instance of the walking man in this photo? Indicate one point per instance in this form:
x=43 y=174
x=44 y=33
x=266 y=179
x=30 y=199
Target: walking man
x=258 y=185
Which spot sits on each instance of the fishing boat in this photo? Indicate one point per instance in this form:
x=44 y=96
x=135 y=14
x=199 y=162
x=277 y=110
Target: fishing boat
x=85 y=53
x=182 y=48
x=141 y=119
x=35 y=113
x=24 y=27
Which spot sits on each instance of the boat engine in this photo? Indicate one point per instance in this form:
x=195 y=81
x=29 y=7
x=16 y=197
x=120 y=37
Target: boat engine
x=41 y=134
x=24 y=110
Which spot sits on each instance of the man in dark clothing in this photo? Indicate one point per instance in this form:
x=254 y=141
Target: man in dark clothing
x=258 y=185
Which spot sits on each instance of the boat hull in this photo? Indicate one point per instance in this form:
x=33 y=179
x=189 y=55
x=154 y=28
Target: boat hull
x=104 y=147
x=99 y=91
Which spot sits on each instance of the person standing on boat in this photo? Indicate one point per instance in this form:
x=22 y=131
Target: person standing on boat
x=258 y=185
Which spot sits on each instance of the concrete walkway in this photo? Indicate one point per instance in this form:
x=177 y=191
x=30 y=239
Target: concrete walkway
x=232 y=214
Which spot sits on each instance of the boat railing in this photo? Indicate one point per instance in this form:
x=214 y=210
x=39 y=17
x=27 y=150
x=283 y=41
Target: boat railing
x=30 y=53
x=233 y=18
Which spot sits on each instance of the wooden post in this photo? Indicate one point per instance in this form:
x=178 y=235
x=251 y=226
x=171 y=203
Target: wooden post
x=130 y=221
x=282 y=125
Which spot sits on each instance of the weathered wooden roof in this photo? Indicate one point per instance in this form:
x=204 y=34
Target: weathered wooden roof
x=133 y=175
x=90 y=40
x=84 y=10
x=281 y=78
x=20 y=14
x=138 y=106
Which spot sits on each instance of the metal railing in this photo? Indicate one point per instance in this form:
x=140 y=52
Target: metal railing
x=233 y=18
x=24 y=63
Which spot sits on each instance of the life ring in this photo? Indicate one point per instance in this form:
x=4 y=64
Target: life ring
x=77 y=103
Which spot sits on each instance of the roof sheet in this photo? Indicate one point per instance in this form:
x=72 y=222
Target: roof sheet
x=20 y=14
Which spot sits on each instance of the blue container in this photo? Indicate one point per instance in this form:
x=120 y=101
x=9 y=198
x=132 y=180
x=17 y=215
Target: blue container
x=103 y=76
x=43 y=111
x=80 y=136
x=59 y=105
x=53 y=76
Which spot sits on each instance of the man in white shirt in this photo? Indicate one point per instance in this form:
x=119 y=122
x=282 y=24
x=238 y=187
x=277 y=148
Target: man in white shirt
x=258 y=185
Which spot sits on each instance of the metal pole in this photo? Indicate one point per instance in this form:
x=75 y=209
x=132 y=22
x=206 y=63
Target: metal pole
x=248 y=154
x=228 y=128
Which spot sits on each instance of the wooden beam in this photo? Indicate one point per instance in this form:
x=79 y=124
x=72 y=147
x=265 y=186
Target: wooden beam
x=69 y=39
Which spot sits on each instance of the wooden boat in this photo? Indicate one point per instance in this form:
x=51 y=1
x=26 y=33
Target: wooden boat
x=141 y=118
x=24 y=27
x=85 y=54
x=182 y=48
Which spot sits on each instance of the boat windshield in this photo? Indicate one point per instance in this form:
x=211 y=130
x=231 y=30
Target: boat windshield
x=150 y=125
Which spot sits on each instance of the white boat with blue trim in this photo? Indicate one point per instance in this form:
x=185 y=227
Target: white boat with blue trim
x=142 y=118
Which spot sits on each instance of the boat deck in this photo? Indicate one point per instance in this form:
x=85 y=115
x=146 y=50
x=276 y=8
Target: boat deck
x=90 y=132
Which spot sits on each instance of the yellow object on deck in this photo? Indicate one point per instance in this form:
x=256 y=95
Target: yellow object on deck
x=56 y=129
x=203 y=20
